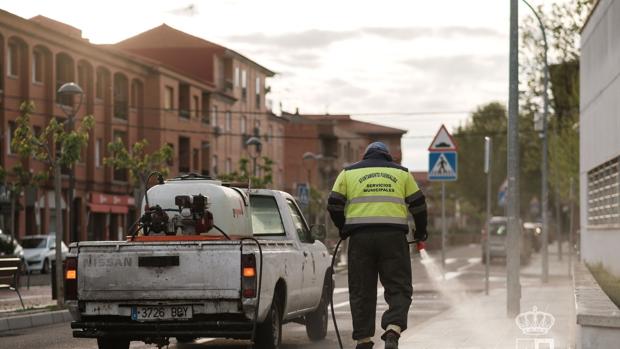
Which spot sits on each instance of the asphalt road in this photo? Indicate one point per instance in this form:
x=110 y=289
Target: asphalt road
x=433 y=294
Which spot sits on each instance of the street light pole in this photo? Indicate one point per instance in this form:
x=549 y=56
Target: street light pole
x=71 y=89
x=513 y=239
x=544 y=169
x=68 y=89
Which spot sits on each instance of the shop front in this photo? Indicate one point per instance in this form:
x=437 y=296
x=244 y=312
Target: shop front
x=107 y=216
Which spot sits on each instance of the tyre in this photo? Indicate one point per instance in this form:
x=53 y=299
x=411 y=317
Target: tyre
x=112 y=343
x=269 y=333
x=316 y=322
x=45 y=268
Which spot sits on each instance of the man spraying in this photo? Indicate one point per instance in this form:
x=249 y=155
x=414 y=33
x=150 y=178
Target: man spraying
x=370 y=202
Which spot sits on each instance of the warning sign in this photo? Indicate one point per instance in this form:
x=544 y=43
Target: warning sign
x=443 y=141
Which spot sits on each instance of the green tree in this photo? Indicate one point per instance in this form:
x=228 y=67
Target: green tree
x=138 y=162
x=57 y=147
x=265 y=167
x=16 y=180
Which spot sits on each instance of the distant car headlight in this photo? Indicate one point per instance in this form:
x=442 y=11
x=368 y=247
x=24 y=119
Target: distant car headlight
x=538 y=231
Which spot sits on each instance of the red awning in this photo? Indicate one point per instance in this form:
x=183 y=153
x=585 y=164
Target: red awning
x=97 y=208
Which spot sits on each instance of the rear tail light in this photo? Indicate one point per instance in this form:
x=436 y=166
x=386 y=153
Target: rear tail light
x=248 y=275
x=71 y=278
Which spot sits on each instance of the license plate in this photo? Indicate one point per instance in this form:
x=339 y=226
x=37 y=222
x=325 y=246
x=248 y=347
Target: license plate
x=161 y=312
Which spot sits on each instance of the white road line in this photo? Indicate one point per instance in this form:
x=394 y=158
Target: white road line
x=339 y=290
x=342 y=304
x=454 y=274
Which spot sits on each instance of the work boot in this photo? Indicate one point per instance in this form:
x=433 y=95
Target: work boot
x=367 y=345
x=391 y=339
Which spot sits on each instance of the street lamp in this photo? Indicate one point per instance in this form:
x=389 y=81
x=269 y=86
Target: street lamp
x=70 y=90
x=256 y=142
x=544 y=165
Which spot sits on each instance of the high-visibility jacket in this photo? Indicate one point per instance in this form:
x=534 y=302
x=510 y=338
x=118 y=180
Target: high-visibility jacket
x=374 y=192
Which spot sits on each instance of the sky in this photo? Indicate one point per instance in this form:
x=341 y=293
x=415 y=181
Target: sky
x=409 y=64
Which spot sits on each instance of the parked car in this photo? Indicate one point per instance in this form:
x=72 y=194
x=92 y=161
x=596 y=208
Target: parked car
x=40 y=251
x=498 y=227
x=9 y=246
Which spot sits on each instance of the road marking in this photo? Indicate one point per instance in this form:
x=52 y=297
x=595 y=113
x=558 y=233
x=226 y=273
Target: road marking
x=461 y=270
x=339 y=290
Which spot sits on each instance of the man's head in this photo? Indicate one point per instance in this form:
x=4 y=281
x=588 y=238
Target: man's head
x=377 y=147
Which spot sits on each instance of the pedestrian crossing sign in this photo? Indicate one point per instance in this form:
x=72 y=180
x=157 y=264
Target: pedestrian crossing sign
x=442 y=166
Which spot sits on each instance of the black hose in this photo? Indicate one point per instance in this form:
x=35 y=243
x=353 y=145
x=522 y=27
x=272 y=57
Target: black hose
x=331 y=301
x=260 y=283
x=228 y=237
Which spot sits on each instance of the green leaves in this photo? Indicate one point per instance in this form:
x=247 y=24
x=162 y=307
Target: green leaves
x=264 y=166
x=138 y=161
x=55 y=144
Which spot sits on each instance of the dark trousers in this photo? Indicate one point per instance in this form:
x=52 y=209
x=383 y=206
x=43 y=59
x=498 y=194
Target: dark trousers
x=384 y=254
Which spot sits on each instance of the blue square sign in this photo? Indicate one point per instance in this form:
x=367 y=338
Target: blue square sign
x=442 y=166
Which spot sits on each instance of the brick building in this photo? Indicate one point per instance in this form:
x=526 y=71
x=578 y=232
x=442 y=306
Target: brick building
x=336 y=140
x=204 y=116
x=232 y=113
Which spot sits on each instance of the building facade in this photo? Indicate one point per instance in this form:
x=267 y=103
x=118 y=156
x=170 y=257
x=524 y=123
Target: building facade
x=233 y=112
x=599 y=141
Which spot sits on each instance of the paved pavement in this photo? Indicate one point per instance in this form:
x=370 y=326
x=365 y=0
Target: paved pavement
x=446 y=313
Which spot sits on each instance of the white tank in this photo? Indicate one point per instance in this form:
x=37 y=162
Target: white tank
x=229 y=206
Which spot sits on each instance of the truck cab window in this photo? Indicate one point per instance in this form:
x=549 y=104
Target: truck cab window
x=300 y=225
x=266 y=219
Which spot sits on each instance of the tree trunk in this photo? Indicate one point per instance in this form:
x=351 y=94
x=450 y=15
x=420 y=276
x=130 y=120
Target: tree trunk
x=13 y=214
x=60 y=296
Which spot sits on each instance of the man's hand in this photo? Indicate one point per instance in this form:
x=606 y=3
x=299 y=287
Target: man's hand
x=420 y=235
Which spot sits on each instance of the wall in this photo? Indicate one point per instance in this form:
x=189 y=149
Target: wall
x=599 y=121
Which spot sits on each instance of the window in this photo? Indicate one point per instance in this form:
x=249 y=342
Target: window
x=37 y=66
x=228 y=165
x=9 y=137
x=604 y=194
x=168 y=98
x=258 y=83
x=266 y=219
x=214 y=115
x=121 y=96
x=244 y=83
x=236 y=77
x=184 y=101
x=228 y=121
x=243 y=124
x=98 y=153
x=184 y=154
x=298 y=221
x=12 y=59
x=196 y=107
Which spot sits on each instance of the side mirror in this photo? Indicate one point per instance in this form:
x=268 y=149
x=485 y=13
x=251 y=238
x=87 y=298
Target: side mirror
x=318 y=232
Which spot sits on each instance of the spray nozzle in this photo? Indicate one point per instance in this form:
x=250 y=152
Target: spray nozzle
x=420 y=245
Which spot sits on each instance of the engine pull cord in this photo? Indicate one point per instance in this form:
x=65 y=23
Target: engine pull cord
x=420 y=246
x=260 y=282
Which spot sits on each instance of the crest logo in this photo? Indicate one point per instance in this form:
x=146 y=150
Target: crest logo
x=535 y=324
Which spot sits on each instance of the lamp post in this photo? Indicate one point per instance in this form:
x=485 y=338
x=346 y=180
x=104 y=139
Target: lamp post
x=256 y=142
x=544 y=165
x=71 y=89
x=68 y=89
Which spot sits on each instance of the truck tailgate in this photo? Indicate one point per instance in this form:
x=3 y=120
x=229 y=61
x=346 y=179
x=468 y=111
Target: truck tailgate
x=176 y=271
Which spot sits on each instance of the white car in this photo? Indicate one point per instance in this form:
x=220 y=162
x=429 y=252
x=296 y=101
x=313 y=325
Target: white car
x=40 y=251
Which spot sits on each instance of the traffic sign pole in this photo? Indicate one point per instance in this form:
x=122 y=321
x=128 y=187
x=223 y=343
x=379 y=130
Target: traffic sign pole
x=443 y=166
x=488 y=148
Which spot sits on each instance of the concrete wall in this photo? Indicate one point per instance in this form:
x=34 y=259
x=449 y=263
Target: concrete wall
x=600 y=121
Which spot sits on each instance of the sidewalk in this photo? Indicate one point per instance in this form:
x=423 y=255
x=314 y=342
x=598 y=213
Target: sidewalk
x=35 y=297
x=480 y=321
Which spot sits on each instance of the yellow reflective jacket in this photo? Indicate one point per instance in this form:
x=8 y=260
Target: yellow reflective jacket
x=372 y=192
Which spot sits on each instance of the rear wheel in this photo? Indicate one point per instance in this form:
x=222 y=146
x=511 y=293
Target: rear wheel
x=269 y=333
x=112 y=343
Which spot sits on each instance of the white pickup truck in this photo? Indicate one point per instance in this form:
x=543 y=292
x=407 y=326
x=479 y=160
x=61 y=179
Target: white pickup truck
x=181 y=277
